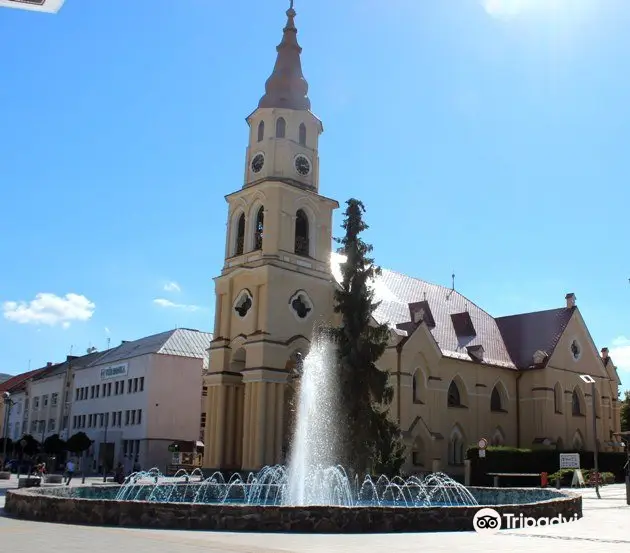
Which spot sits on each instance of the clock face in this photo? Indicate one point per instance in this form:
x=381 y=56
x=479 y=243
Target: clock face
x=302 y=165
x=258 y=163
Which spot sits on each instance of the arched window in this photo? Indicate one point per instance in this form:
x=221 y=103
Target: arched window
x=456 y=448
x=496 y=404
x=258 y=229
x=454 y=397
x=301 y=233
x=576 y=404
x=281 y=127
x=240 y=235
x=557 y=398
x=578 y=442
x=414 y=386
x=261 y=131
x=303 y=134
x=417 y=453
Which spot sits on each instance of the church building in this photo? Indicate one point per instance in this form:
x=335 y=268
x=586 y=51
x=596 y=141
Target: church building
x=459 y=374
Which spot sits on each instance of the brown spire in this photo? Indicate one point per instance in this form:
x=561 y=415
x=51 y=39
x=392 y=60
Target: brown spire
x=287 y=87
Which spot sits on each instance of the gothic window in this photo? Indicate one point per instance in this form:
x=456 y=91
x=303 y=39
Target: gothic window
x=417 y=453
x=414 y=386
x=456 y=448
x=417 y=384
x=240 y=235
x=557 y=398
x=258 y=229
x=454 y=397
x=261 y=131
x=576 y=404
x=301 y=233
x=495 y=400
x=303 y=134
x=281 y=127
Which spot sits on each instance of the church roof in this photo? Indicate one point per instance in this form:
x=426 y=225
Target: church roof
x=459 y=326
x=286 y=87
x=528 y=333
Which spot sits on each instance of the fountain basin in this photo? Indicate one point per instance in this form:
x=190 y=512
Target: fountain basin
x=97 y=506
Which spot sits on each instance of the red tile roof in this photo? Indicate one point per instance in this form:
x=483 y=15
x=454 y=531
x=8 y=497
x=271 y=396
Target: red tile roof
x=15 y=381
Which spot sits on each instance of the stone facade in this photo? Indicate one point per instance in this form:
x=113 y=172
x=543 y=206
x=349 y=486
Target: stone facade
x=57 y=505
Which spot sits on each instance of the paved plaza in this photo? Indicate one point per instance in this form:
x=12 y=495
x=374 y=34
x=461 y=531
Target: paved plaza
x=605 y=527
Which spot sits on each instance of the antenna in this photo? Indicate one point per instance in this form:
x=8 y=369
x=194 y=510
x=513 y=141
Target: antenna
x=450 y=292
x=108 y=341
x=424 y=295
x=453 y=277
x=71 y=349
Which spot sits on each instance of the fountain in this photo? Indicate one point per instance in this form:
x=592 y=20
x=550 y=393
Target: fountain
x=312 y=494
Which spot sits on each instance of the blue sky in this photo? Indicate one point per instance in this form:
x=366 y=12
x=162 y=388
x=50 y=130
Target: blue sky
x=487 y=138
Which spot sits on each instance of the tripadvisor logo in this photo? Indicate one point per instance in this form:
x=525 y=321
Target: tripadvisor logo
x=489 y=521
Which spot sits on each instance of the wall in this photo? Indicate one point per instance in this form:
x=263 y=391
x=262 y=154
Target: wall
x=47 y=418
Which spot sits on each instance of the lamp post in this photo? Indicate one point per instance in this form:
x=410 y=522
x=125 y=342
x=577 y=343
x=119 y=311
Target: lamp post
x=8 y=404
x=104 y=453
x=590 y=380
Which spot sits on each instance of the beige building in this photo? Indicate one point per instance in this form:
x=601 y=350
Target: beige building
x=459 y=374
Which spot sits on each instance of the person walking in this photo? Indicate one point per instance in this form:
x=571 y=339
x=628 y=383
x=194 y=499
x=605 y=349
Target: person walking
x=69 y=471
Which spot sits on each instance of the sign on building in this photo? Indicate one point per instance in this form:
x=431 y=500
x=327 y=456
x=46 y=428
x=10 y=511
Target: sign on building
x=569 y=460
x=48 y=6
x=114 y=371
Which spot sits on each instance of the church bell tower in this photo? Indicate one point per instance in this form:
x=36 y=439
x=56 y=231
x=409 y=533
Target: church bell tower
x=276 y=283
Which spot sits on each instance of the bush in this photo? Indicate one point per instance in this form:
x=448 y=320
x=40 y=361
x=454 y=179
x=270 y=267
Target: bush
x=511 y=459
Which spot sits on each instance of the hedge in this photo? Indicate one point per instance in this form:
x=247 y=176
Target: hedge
x=511 y=459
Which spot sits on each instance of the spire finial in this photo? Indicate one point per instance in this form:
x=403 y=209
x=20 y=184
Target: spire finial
x=287 y=88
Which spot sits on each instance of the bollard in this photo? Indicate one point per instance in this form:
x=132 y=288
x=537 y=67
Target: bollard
x=544 y=479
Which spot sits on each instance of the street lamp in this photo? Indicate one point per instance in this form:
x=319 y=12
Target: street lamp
x=590 y=380
x=8 y=404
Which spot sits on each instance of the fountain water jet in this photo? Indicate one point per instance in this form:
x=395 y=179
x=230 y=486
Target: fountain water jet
x=313 y=447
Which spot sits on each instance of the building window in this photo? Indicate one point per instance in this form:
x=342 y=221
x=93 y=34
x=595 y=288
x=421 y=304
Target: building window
x=127 y=416
x=36 y=403
x=281 y=127
x=82 y=421
x=109 y=389
x=240 y=235
x=89 y=421
x=301 y=233
x=557 y=398
x=64 y=424
x=454 y=397
x=456 y=449
x=258 y=230
x=135 y=385
x=97 y=390
x=54 y=399
x=496 y=403
x=129 y=386
x=139 y=417
x=45 y=400
x=51 y=425
x=261 y=131
x=133 y=416
x=204 y=391
x=119 y=418
x=576 y=404
x=142 y=383
x=303 y=134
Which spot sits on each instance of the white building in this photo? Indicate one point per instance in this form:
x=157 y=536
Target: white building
x=135 y=400
x=48 y=6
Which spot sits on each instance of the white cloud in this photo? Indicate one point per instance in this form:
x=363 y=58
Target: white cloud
x=49 y=309
x=620 y=353
x=172 y=286
x=107 y=330
x=168 y=304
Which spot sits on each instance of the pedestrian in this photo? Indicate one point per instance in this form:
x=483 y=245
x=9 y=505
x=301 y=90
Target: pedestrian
x=69 y=471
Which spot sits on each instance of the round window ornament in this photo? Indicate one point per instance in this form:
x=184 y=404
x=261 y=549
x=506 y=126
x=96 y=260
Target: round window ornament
x=301 y=305
x=243 y=303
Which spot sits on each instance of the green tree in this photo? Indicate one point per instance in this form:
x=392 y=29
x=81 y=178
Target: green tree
x=369 y=440
x=78 y=443
x=54 y=445
x=31 y=445
x=625 y=412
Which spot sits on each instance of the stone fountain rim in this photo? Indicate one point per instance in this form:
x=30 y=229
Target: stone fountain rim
x=558 y=496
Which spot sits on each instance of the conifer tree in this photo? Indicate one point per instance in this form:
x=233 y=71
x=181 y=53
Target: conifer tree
x=369 y=440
